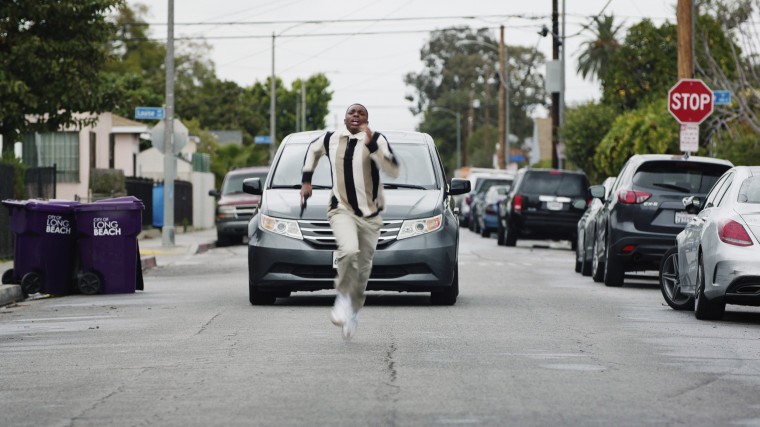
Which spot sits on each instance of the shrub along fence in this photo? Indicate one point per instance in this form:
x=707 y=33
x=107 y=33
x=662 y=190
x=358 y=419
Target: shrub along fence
x=7 y=177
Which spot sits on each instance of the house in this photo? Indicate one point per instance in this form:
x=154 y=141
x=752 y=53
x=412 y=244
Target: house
x=112 y=142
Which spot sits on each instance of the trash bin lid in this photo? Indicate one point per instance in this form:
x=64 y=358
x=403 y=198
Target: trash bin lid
x=51 y=206
x=122 y=205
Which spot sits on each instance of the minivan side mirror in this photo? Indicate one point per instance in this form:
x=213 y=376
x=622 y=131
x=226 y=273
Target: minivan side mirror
x=597 y=192
x=459 y=186
x=693 y=204
x=214 y=193
x=252 y=186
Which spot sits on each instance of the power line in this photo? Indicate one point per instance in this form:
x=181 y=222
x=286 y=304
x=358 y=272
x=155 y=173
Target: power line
x=327 y=21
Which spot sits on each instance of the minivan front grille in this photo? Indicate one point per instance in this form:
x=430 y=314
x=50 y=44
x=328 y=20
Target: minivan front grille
x=319 y=235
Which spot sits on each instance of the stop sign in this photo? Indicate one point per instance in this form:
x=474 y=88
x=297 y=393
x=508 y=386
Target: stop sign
x=690 y=101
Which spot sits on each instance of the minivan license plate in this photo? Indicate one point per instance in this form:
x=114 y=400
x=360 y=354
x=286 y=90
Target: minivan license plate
x=554 y=206
x=683 y=217
x=335 y=260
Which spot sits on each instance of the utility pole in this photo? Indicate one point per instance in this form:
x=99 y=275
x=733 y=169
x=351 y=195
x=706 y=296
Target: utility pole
x=555 y=95
x=272 y=121
x=170 y=162
x=685 y=19
x=503 y=138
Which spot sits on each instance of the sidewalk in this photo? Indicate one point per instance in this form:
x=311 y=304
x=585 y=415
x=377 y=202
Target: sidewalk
x=152 y=254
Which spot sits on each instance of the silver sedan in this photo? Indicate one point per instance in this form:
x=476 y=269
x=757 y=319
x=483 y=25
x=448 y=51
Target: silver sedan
x=716 y=260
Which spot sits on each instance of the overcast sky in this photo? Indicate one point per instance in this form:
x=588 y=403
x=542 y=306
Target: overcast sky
x=369 y=68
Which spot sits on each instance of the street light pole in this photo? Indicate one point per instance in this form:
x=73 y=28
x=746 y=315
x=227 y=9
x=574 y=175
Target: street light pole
x=458 y=117
x=170 y=165
x=272 y=120
x=504 y=94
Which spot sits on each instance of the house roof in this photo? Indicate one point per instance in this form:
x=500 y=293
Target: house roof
x=124 y=125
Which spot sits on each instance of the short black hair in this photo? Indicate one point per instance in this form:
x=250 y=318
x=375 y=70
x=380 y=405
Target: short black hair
x=356 y=103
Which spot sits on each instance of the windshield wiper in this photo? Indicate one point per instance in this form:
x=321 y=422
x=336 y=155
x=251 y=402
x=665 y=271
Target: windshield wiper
x=673 y=187
x=392 y=186
x=297 y=186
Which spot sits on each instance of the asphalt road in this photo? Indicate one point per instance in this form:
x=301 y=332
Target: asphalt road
x=529 y=342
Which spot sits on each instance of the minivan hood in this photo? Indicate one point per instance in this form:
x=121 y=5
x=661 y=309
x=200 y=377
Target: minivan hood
x=399 y=203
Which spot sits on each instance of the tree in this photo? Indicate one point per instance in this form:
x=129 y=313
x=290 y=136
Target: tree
x=52 y=55
x=596 y=53
x=649 y=129
x=584 y=128
x=460 y=63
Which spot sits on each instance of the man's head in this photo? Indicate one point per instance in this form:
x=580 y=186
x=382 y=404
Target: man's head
x=357 y=117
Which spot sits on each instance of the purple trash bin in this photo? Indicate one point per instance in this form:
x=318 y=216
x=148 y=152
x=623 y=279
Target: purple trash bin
x=44 y=255
x=107 y=235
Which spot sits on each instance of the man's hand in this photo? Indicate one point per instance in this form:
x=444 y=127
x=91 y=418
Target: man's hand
x=364 y=128
x=305 y=191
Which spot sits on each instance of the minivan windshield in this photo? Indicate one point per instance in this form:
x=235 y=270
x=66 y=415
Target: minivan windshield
x=415 y=168
x=678 y=176
x=555 y=183
x=234 y=183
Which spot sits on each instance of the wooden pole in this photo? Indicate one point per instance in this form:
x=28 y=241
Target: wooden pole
x=685 y=39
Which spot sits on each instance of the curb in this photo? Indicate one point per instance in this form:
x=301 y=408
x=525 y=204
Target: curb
x=10 y=294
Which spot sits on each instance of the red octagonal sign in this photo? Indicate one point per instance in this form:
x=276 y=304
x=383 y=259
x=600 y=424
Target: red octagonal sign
x=690 y=101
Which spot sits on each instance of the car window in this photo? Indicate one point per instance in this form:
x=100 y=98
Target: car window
x=678 y=176
x=722 y=194
x=749 y=192
x=234 y=183
x=487 y=183
x=555 y=183
x=415 y=167
x=710 y=200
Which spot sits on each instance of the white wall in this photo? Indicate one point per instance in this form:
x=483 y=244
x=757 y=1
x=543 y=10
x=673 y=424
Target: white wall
x=203 y=204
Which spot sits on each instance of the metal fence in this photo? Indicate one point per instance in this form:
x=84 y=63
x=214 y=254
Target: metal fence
x=142 y=188
x=7 y=178
x=40 y=182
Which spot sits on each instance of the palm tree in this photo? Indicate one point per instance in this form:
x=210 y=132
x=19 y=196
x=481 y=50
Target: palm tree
x=597 y=52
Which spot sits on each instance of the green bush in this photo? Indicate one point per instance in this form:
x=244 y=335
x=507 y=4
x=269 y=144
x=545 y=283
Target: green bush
x=107 y=181
x=19 y=190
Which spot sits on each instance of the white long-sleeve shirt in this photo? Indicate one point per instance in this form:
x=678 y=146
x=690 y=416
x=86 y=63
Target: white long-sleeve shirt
x=355 y=168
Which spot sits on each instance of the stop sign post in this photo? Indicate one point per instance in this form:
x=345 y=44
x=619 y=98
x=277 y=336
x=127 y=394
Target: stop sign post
x=690 y=101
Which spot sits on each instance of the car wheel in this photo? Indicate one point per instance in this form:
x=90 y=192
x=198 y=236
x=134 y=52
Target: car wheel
x=613 y=269
x=510 y=235
x=670 y=282
x=597 y=266
x=499 y=234
x=449 y=295
x=704 y=309
x=578 y=255
x=485 y=232
x=574 y=243
x=257 y=297
x=585 y=263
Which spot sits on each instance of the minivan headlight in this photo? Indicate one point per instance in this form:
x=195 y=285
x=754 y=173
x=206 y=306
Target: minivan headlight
x=285 y=227
x=417 y=227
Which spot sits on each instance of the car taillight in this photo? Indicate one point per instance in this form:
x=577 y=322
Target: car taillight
x=631 y=197
x=517 y=203
x=733 y=233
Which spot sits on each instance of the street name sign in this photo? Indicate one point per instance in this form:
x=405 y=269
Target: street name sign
x=149 y=113
x=722 y=97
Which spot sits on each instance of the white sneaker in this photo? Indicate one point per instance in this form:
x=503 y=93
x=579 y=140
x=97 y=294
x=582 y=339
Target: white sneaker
x=341 y=311
x=349 y=328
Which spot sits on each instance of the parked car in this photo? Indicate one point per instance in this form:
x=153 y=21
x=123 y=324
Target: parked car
x=479 y=199
x=489 y=219
x=480 y=183
x=716 y=260
x=646 y=209
x=587 y=231
x=543 y=204
x=234 y=207
x=419 y=239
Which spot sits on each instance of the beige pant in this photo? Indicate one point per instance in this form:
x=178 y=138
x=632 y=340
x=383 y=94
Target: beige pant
x=357 y=240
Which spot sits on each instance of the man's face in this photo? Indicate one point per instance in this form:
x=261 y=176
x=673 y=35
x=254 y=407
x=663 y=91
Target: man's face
x=356 y=118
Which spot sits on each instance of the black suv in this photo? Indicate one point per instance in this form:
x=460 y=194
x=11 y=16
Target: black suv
x=645 y=211
x=543 y=204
